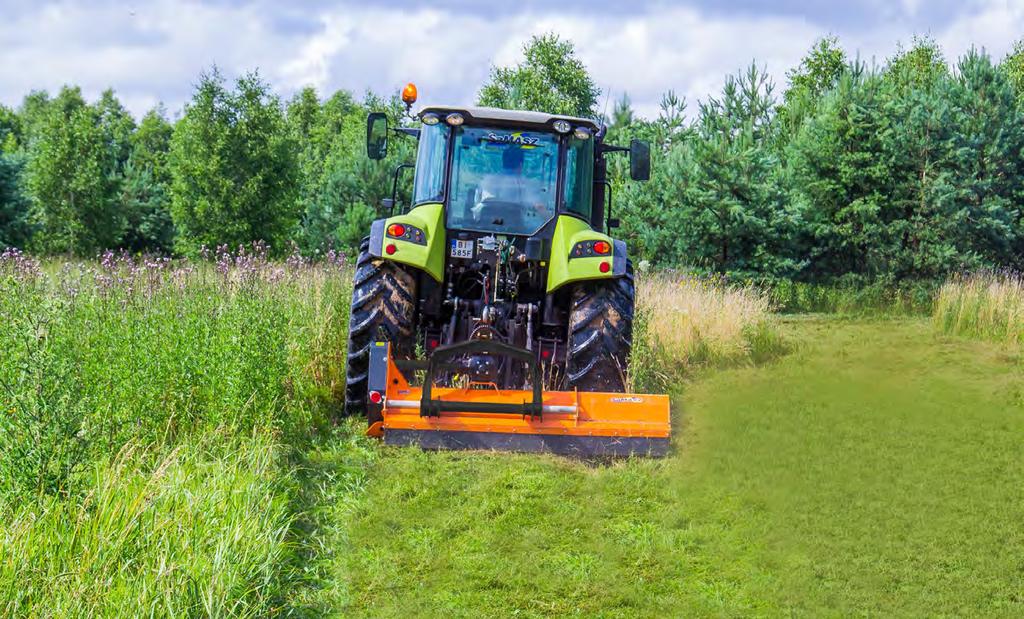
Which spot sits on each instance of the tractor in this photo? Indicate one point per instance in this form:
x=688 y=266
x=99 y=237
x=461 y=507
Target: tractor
x=496 y=312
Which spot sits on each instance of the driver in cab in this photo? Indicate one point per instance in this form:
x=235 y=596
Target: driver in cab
x=510 y=194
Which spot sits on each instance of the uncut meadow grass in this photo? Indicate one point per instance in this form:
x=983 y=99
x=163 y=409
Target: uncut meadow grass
x=987 y=305
x=149 y=410
x=685 y=322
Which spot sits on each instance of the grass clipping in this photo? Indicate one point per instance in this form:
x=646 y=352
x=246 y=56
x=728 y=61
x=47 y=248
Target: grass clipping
x=987 y=305
x=685 y=322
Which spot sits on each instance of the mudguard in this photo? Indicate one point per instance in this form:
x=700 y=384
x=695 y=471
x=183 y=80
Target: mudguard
x=423 y=243
x=566 y=266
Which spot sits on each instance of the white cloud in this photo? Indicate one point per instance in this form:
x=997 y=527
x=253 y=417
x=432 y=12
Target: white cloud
x=156 y=50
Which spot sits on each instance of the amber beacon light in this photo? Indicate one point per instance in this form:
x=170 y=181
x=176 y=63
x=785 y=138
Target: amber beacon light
x=409 y=94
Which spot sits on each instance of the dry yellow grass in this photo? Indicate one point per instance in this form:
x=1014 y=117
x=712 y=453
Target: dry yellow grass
x=685 y=321
x=989 y=305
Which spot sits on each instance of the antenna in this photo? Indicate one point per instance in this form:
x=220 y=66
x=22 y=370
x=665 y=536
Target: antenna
x=604 y=113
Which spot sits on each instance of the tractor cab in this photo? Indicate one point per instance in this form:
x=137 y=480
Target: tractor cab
x=510 y=172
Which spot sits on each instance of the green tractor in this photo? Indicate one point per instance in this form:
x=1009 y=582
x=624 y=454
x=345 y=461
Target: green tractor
x=504 y=246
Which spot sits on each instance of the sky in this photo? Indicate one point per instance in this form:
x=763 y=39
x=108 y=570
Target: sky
x=151 y=52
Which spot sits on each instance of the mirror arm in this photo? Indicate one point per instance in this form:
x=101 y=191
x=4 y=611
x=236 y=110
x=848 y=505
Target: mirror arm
x=409 y=131
x=611 y=148
x=394 y=185
x=610 y=221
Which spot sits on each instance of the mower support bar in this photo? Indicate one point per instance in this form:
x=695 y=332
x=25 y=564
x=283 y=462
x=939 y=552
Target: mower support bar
x=440 y=360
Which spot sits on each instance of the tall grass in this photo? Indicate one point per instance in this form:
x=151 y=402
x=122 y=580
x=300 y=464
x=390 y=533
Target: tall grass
x=147 y=412
x=988 y=305
x=858 y=299
x=197 y=533
x=685 y=322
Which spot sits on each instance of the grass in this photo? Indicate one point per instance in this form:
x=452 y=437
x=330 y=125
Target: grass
x=155 y=418
x=876 y=470
x=988 y=305
x=196 y=533
x=170 y=449
x=855 y=299
x=686 y=323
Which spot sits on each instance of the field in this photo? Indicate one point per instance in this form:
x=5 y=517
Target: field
x=171 y=447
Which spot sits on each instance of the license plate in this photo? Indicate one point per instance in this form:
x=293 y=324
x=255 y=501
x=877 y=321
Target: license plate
x=461 y=249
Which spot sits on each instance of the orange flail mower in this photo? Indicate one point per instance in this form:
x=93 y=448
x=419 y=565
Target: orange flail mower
x=482 y=416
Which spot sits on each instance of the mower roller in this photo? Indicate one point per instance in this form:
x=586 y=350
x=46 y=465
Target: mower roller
x=494 y=313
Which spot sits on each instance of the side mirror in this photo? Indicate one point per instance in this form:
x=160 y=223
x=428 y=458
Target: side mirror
x=639 y=160
x=376 y=135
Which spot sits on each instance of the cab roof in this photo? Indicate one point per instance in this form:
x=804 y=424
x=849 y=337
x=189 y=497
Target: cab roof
x=493 y=114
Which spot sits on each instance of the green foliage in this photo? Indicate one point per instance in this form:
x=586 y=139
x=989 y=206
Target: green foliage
x=195 y=532
x=240 y=347
x=857 y=177
x=150 y=414
x=15 y=225
x=340 y=187
x=987 y=170
x=840 y=182
x=70 y=178
x=854 y=298
x=819 y=72
x=146 y=204
x=921 y=66
x=233 y=167
x=549 y=79
x=10 y=130
x=1013 y=67
x=151 y=143
x=31 y=114
x=145 y=187
x=716 y=200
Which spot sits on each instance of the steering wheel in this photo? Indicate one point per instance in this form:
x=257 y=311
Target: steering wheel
x=500 y=212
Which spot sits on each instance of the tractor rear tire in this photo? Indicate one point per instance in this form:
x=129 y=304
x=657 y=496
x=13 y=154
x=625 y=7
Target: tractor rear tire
x=383 y=308
x=601 y=334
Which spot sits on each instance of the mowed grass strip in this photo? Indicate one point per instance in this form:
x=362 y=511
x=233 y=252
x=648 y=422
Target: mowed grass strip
x=878 y=469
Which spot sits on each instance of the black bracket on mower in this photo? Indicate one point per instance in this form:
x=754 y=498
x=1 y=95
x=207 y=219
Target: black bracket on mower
x=440 y=361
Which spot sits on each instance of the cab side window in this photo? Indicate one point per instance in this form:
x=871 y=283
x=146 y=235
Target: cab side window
x=579 y=176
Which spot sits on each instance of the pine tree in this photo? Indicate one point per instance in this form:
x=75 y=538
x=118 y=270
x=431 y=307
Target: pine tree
x=725 y=208
x=15 y=227
x=840 y=180
x=987 y=165
x=921 y=214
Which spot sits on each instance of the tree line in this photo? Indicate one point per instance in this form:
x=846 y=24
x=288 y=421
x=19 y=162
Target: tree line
x=909 y=169
x=239 y=165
